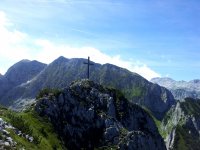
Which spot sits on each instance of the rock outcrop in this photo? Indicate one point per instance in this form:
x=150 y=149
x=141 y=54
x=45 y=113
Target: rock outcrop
x=181 y=125
x=6 y=142
x=86 y=115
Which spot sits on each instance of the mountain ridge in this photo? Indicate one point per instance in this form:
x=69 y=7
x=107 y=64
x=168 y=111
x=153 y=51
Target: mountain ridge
x=23 y=71
x=62 y=71
x=182 y=124
x=177 y=121
x=180 y=89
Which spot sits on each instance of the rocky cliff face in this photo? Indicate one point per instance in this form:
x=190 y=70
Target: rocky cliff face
x=61 y=72
x=86 y=115
x=181 y=125
x=180 y=89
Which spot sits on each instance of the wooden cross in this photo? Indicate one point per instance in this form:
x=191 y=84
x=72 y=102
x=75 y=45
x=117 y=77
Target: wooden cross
x=88 y=64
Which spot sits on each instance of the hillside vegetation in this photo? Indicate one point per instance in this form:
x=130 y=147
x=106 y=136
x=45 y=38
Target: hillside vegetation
x=26 y=126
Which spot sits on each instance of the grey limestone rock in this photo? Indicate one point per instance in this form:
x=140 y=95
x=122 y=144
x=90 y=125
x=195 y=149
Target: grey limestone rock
x=86 y=115
x=144 y=142
x=182 y=125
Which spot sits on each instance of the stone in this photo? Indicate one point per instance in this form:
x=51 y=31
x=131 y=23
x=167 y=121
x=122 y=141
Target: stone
x=111 y=133
x=89 y=117
x=5 y=132
x=111 y=107
x=6 y=144
x=30 y=139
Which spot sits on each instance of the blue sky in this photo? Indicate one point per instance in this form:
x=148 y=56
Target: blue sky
x=155 y=38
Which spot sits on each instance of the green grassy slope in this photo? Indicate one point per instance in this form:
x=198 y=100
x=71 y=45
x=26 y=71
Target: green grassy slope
x=30 y=123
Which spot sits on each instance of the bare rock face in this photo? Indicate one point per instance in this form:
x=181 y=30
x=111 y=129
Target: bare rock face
x=182 y=125
x=129 y=142
x=88 y=116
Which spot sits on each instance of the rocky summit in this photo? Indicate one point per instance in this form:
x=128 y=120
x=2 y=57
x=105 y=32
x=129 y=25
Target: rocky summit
x=87 y=115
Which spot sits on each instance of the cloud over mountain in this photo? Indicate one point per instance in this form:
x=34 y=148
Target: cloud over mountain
x=16 y=45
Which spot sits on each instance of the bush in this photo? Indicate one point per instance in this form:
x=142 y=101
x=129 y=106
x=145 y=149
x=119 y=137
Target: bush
x=20 y=123
x=47 y=92
x=36 y=139
x=43 y=132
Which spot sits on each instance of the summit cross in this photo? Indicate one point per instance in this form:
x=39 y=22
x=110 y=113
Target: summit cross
x=88 y=65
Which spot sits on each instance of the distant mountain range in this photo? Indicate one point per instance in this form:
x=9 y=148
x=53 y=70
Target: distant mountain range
x=180 y=89
x=178 y=119
x=26 y=78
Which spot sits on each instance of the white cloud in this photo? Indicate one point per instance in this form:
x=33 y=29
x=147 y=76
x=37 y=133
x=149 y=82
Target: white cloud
x=13 y=47
x=12 y=41
x=50 y=51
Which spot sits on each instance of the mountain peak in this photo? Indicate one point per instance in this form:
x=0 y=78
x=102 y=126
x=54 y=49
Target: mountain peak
x=24 y=60
x=60 y=59
x=99 y=117
x=23 y=71
x=84 y=83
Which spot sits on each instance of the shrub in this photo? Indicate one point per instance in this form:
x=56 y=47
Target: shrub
x=47 y=92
